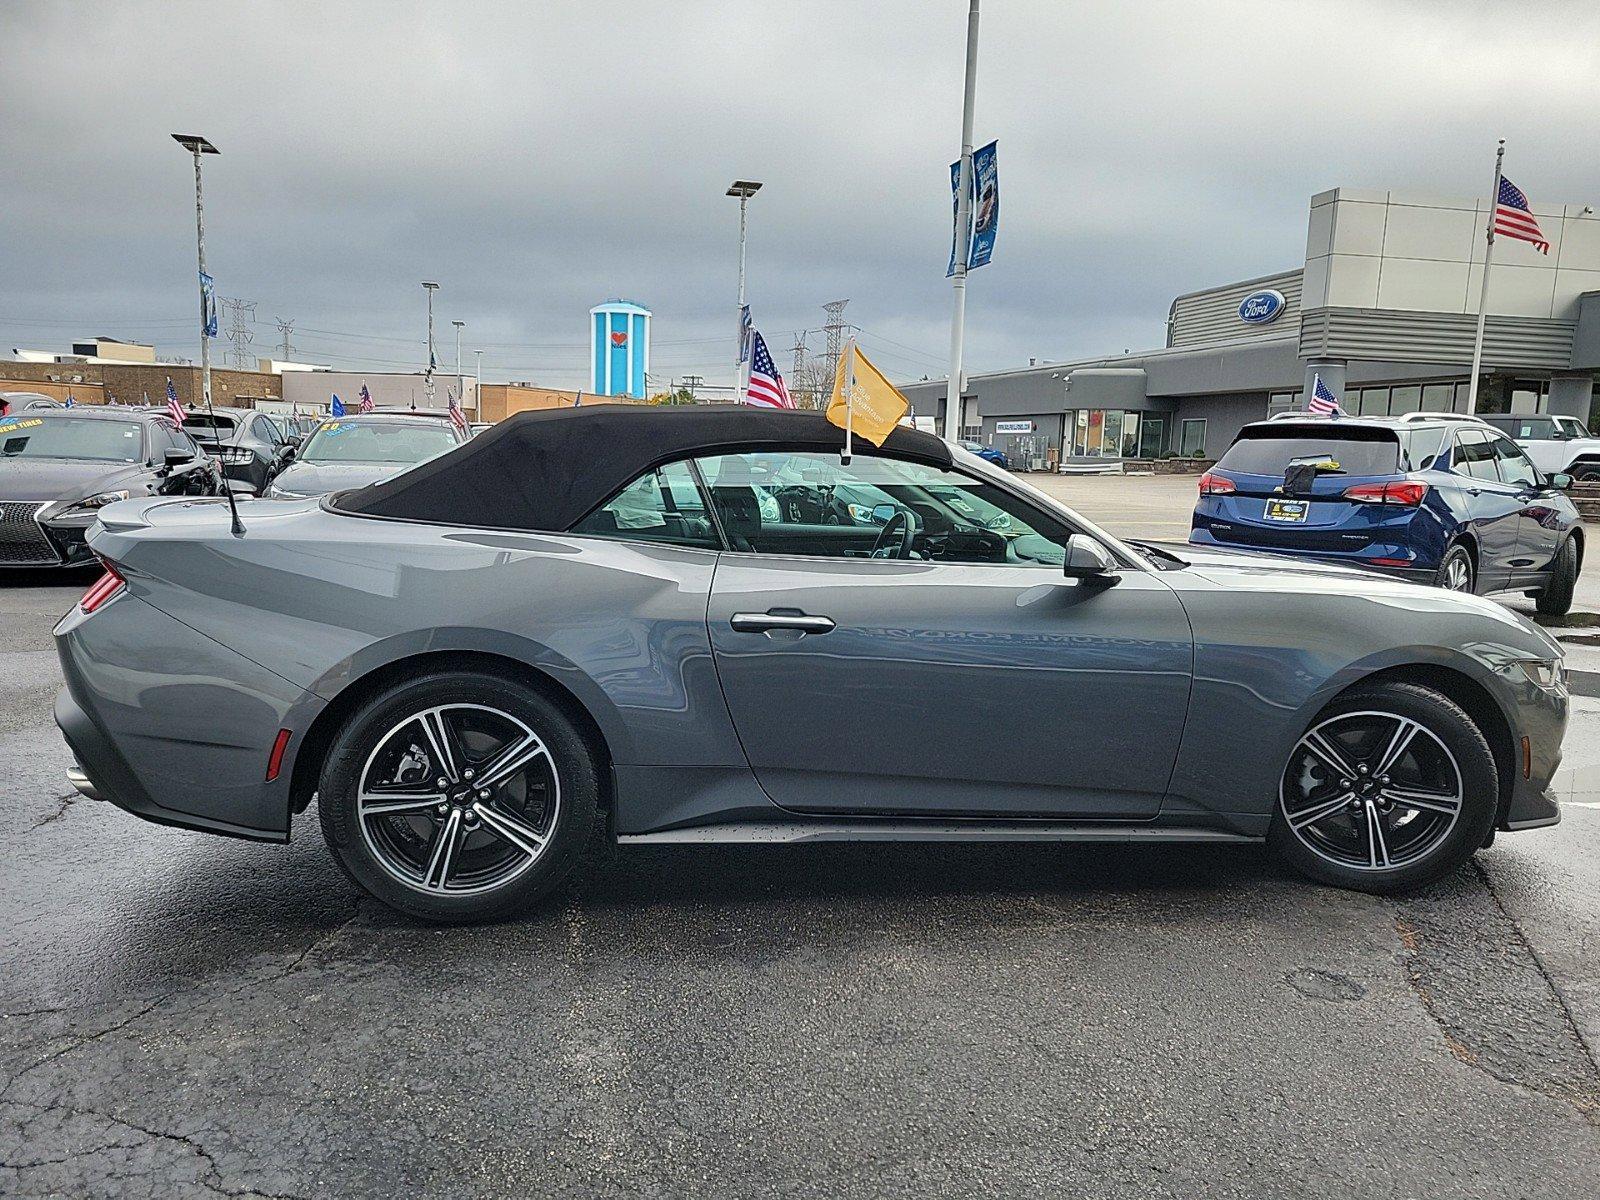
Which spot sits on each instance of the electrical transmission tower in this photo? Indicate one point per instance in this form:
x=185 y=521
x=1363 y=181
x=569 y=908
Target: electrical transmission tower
x=286 y=328
x=241 y=315
x=692 y=383
x=835 y=329
x=804 y=389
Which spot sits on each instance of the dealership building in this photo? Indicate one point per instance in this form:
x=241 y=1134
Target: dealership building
x=1384 y=309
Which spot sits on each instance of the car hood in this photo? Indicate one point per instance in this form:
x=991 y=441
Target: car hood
x=1258 y=571
x=318 y=479
x=61 y=478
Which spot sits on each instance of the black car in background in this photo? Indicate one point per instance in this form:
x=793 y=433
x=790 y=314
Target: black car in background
x=245 y=441
x=59 y=467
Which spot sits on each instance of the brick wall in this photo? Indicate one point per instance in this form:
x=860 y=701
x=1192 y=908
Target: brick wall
x=130 y=383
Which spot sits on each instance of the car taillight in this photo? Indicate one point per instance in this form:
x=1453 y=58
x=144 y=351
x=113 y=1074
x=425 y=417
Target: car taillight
x=1216 y=485
x=101 y=590
x=1406 y=492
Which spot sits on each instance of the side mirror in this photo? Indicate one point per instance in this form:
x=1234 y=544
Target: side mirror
x=1088 y=559
x=174 y=457
x=882 y=513
x=1561 y=481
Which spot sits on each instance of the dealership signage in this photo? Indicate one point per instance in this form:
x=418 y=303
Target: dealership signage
x=1262 y=308
x=1013 y=426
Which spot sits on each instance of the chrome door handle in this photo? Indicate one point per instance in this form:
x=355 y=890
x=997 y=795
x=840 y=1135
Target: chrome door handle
x=764 y=622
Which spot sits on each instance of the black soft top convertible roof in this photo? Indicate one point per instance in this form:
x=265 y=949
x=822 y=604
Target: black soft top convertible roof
x=546 y=470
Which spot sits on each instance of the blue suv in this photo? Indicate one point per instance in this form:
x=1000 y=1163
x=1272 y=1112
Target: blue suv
x=1428 y=497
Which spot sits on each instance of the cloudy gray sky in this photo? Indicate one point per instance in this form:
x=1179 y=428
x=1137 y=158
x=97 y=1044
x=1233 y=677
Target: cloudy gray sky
x=539 y=157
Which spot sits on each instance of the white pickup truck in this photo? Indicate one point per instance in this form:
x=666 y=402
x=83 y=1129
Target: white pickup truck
x=1556 y=444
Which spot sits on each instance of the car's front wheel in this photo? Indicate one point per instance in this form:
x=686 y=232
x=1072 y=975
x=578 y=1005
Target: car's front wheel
x=1392 y=786
x=459 y=796
x=1555 y=598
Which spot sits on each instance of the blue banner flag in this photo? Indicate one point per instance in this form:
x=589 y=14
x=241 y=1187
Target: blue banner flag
x=337 y=407
x=985 y=204
x=208 y=303
x=983 y=215
x=959 y=238
x=744 y=334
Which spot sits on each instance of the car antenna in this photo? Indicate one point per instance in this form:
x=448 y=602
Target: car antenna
x=233 y=504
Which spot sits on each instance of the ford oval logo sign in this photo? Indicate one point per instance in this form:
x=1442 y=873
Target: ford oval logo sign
x=1261 y=308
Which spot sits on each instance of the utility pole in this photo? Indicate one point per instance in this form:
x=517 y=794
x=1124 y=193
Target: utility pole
x=692 y=383
x=197 y=146
x=477 y=372
x=427 y=385
x=963 y=234
x=743 y=189
x=461 y=395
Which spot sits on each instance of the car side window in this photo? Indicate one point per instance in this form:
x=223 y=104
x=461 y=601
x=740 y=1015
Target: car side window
x=807 y=503
x=1474 y=456
x=162 y=438
x=1516 y=468
x=664 y=505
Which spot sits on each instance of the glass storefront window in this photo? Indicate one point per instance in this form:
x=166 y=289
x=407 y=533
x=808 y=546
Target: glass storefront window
x=1130 y=435
x=1436 y=397
x=1112 y=437
x=1372 y=402
x=1192 y=438
x=1405 y=399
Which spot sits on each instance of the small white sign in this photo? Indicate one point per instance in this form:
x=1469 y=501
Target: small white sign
x=1013 y=426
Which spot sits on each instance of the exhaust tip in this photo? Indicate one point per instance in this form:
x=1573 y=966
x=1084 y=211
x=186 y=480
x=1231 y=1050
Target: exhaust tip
x=83 y=784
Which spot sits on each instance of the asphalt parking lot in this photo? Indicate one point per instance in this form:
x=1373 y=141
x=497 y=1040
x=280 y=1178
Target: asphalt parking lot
x=183 y=1015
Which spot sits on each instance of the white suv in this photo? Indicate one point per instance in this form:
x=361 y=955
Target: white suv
x=1556 y=444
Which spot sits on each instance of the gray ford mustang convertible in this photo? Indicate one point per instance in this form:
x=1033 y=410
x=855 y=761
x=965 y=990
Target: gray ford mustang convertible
x=657 y=625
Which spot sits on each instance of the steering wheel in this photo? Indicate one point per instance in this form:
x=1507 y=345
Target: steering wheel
x=901 y=523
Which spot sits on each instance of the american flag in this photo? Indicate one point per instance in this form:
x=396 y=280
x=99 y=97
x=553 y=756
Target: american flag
x=766 y=385
x=1513 y=218
x=457 y=417
x=366 y=399
x=1323 y=402
x=174 y=409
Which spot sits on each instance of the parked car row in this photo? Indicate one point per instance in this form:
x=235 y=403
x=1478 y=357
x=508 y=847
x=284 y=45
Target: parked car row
x=58 y=465
x=1432 y=498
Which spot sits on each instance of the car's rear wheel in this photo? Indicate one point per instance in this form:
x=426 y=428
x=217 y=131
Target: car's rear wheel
x=1586 y=472
x=1456 y=571
x=459 y=797
x=1555 y=598
x=1392 y=786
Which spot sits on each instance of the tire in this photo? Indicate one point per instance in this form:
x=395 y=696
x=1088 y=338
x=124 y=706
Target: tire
x=384 y=813
x=1456 y=571
x=1555 y=598
x=1423 y=836
x=1585 y=472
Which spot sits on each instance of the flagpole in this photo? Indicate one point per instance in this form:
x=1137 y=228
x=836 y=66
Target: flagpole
x=1483 y=292
x=430 y=288
x=849 y=401
x=962 y=236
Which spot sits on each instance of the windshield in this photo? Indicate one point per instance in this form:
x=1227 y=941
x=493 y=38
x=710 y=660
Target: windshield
x=1272 y=453
x=41 y=435
x=375 y=442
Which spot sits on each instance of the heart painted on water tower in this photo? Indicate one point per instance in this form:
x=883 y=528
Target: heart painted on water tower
x=619 y=338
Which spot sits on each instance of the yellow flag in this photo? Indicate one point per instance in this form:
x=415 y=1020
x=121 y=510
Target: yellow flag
x=877 y=406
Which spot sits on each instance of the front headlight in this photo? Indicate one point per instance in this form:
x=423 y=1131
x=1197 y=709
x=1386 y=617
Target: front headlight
x=278 y=493
x=1547 y=673
x=80 y=508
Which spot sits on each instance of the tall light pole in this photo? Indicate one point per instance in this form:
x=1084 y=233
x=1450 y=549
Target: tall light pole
x=461 y=397
x=962 y=239
x=427 y=386
x=477 y=379
x=197 y=146
x=743 y=189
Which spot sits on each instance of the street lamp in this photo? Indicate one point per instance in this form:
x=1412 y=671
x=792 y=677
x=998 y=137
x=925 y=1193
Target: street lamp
x=197 y=145
x=461 y=398
x=742 y=189
x=427 y=385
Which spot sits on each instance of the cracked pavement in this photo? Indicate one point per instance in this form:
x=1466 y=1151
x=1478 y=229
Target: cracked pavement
x=183 y=1015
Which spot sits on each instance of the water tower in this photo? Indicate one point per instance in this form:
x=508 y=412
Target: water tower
x=620 y=354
